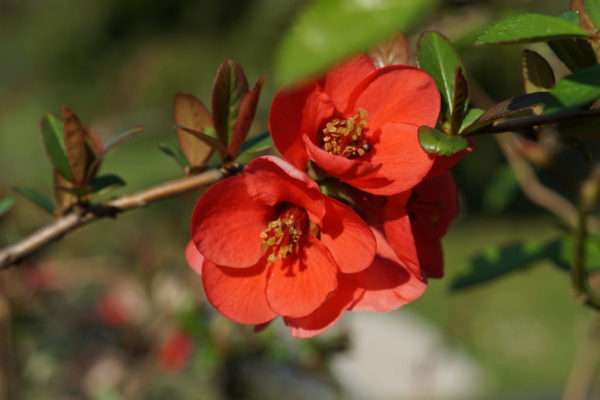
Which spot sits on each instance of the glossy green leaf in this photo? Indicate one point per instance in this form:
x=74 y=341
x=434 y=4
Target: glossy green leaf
x=593 y=10
x=436 y=55
x=496 y=262
x=36 y=198
x=174 y=153
x=52 y=133
x=527 y=28
x=575 y=90
x=328 y=31
x=437 y=142
x=537 y=72
x=576 y=54
x=6 y=204
x=229 y=89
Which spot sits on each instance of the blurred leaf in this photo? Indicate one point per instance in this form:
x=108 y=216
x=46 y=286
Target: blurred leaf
x=564 y=256
x=472 y=115
x=459 y=101
x=244 y=119
x=102 y=182
x=576 y=54
x=188 y=111
x=52 y=133
x=390 y=52
x=64 y=200
x=436 y=55
x=174 y=153
x=121 y=138
x=319 y=38
x=537 y=72
x=524 y=105
x=437 y=142
x=6 y=204
x=593 y=10
x=36 y=198
x=577 y=89
x=501 y=190
x=229 y=89
x=78 y=154
x=584 y=18
x=496 y=262
x=571 y=16
x=527 y=28
x=255 y=146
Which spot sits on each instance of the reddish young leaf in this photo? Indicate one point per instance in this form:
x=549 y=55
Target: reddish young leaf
x=75 y=146
x=189 y=112
x=229 y=89
x=245 y=117
x=394 y=51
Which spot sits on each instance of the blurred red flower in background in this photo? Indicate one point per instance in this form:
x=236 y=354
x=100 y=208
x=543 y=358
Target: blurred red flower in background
x=359 y=123
x=175 y=352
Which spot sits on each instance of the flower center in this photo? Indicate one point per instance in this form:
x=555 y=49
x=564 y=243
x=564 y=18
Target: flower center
x=282 y=236
x=346 y=137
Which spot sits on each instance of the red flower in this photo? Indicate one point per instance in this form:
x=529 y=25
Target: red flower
x=272 y=245
x=431 y=208
x=175 y=352
x=359 y=124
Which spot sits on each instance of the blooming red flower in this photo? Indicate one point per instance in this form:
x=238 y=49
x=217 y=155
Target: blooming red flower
x=431 y=208
x=175 y=352
x=359 y=124
x=272 y=245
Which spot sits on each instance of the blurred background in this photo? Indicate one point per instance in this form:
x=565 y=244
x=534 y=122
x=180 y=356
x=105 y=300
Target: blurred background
x=112 y=312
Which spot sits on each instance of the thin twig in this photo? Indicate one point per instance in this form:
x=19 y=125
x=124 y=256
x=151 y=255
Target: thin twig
x=41 y=238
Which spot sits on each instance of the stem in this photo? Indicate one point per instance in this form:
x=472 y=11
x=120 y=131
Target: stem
x=14 y=253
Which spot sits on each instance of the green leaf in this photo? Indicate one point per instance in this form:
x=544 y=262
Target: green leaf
x=328 y=31
x=527 y=28
x=501 y=190
x=575 y=90
x=496 y=262
x=255 y=146
x=576 y=54
x=571 y=16
x=36 y=198
x=564 y=256
x=174 y=153
x=437 y=142
x=436 y=55
x=52 y=133
x=102 y=182
x=537 y=72
x=593 y=10
x=229 y=89
x=6 y=204
x=472 y=115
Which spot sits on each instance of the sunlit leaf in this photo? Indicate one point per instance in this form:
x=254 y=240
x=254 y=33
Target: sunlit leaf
x=537 y=72
x=436 y=55
x=6 y=204
x=526 y=28
x=320 y=37
x=229 y=89
x=188 y=111
x=52 y=133
x=437 y=142
x=36 y=198
x=577 y=89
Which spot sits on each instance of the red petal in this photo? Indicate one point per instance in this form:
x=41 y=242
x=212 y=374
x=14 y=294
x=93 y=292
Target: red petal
x=193 y=257
x=431 y=255
x=347 y=237
x=227 y=223
x=341 y=81
x=271 y=180
x=443 y=164
x=403 y=162
x=299 y=285
x=399 y=233
x=238 y=294
x=329 y=312
x=435 y=204
x=387 y=284
x=399 y=94
x=295 y=113
x=338 y=166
